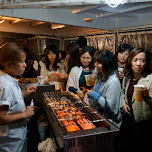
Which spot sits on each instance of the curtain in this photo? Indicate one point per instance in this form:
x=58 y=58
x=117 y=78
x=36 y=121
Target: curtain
x=102 y=42
x=137 y=39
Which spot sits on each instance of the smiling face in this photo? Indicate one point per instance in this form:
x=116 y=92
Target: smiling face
x=98 y=67
x=85 y=59
x=138 y=63
x=122 y=56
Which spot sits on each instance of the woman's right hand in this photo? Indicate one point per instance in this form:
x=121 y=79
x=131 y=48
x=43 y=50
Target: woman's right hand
x=53 y=77
x=80 y=94
x=120 y=75
x=126 y=109
x=30 y=111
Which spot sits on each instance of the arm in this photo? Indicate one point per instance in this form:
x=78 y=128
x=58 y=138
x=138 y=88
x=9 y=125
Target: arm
x=124 y=105
x=29 y=90
x=8 y=118
x=110 y=101
x=147 y=95
x=71 y=82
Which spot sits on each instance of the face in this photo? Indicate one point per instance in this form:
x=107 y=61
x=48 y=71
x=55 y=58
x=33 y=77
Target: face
x=98 y=67
x=85 y=59
x=60 y=55
x=18 y=68
x=139 y=63
x=51 y=56
x=122 y=56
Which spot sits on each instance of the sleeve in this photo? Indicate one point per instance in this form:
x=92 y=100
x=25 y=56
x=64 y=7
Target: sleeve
x=72 y=89
x=123 y=101
x=94 y=96
x=148 y=99
x=5 y=96
x=111 y=100
x=63 y=69
x=72 y=79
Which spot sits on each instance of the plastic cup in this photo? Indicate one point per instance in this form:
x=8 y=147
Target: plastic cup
x=120 y=71
x=40 y=79
x=88 y=80
x=137 y=93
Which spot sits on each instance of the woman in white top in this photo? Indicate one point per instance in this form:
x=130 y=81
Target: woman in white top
x=51 y=69
x=77 y=74
x=13 y=112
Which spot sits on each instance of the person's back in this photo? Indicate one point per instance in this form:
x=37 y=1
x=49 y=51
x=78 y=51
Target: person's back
x=72 y=51
x=82 y=41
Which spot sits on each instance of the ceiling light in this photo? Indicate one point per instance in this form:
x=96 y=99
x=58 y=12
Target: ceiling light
x=56 y=26
x=115 y=3
x=76 y=10
x=99 y=15
x=1 y=21
x=86 y=19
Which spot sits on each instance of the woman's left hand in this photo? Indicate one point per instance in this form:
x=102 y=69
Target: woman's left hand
x=60 y=66
x=145 y=92
x=29 y=90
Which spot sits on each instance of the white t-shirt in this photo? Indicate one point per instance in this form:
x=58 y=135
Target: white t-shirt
x=11 y=95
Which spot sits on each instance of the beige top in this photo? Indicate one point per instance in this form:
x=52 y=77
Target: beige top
x=142 y=110
x=44 y=72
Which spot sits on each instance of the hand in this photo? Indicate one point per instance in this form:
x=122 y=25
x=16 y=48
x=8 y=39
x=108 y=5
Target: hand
x=59 y=65
x=145 y=92
x=63 y=76
x=53 y=77
x=29 y=90
x=126 y=109
x=120 y=75
x=30 y=111
x=80 y=94
x=89 y=91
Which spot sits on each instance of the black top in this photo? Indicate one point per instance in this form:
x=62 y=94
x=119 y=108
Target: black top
x=82 y=81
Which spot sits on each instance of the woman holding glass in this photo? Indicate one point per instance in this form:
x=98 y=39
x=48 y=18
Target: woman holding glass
x=137 y=117
x=106 y=95
x=76 y=81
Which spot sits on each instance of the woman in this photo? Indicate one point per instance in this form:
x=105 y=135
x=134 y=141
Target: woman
x=106 y=95
x=121 y=57
x=51 y=68
x=13 y=112
x=77 y=74
x=61 y=58
x=71 y=60
x=137 y=115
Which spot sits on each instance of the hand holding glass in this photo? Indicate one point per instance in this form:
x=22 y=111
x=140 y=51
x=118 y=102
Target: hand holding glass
x=138 y=92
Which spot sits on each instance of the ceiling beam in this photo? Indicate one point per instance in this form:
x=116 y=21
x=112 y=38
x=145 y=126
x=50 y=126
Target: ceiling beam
x=53 y=3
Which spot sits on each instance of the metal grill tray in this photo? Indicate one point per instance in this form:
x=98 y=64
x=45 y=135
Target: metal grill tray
x=81 y=140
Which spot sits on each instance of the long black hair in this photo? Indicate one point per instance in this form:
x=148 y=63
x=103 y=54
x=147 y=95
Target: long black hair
x=122 y=48
x=52 y=48
x=91 y=51
x=106 y=58
x=128 y=70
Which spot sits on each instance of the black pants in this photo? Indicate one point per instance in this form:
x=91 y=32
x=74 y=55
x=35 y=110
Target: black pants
x=134 y=136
